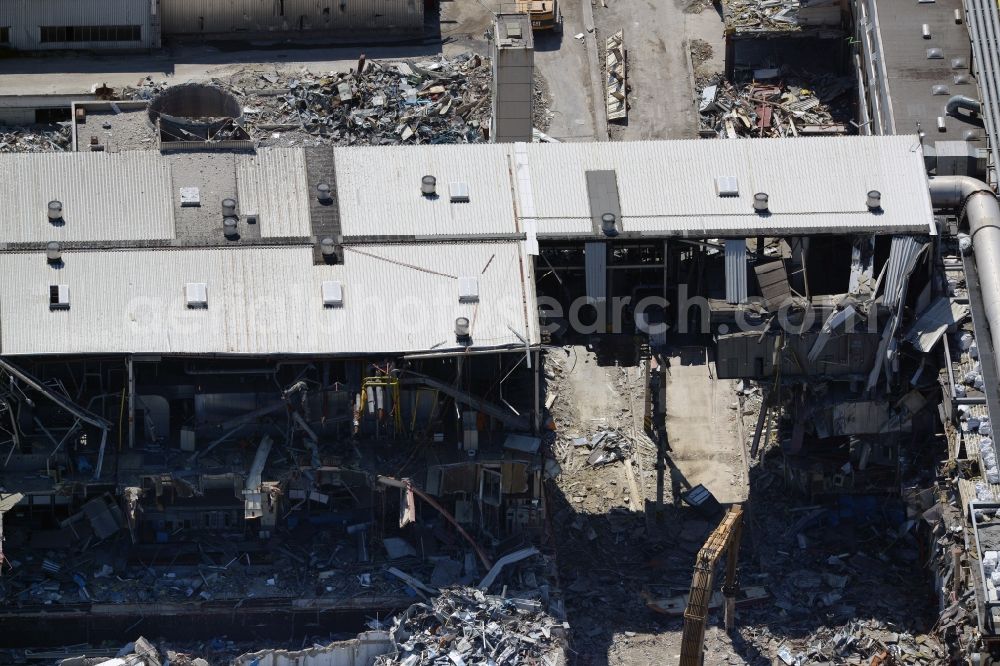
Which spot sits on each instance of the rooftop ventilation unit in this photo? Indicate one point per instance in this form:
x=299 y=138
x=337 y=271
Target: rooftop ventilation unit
x=190 y=197
x=333 y=294
x=59 y=297
x=230 y=229
x=874 y=200
x=55 y=211
x=328 y=248
x=53 y=253
x=609 y=224
x=458 y=192
x=462 y=330
x=760 y=202
x=428 y=186
x=324 y=194
x=468 y=290
x=726 y=186
x=935 y=54
x=196 y=295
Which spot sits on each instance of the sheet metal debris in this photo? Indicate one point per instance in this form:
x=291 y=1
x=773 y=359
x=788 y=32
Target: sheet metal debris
x=36 y=139
x=442 y=100
x=466 y=626
x=763 y=16
x=779 y=107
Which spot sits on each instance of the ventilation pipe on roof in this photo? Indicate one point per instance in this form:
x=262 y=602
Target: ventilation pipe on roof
x=956 y=102
x=760 y=202
x=981 y=208
x=323 y=193
x=53 y=253
x=874 y=200
x=55 y=211
x=428 y=185
x=229 y=208
x=608 y=224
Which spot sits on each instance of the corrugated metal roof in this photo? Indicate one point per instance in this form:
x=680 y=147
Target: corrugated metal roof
x=666 y=188
x=272 y=183
x=397 y=298
x=817 y=184
x=105 y=196
x=378 y=190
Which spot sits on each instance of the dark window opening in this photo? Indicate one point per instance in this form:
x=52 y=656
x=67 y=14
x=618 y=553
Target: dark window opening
x=4 y=34
x=49 y=116
x=90 y=33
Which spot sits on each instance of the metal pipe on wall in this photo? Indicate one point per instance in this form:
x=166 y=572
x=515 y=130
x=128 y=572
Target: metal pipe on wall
x=980 y=207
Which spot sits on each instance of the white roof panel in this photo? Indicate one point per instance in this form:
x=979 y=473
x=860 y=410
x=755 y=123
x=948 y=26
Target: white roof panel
x=105 y=196
x=378 y=190
x=666 y=188
x=669 y=187
x=272 y=184
x=267 y=300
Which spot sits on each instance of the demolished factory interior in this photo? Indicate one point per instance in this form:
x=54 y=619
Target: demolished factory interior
x=215 y=354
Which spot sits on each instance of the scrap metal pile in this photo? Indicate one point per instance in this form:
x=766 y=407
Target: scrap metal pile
x=445 y=100
x=777 y=108
x=747 y=16
x=466 y=626
x=35 y=139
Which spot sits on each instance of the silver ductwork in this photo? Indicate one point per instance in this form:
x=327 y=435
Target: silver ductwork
x=980 y=207
x=956 y=102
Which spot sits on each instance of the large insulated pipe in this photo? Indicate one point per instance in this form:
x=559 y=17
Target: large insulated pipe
x=956 y=102
x=982 y=210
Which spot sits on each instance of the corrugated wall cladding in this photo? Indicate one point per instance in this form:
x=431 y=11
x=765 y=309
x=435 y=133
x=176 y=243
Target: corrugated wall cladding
x=24 y=17
x=272 y=184
x=105 y=196
x=266 y=301
x=262 y=16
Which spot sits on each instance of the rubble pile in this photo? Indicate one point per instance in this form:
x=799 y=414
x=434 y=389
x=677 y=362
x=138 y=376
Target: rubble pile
x=751 y=16
x=776 y=108
x=445 y=100
x=466 y=626
x=40 y=139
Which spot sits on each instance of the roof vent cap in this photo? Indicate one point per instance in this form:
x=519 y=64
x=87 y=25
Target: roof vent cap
x=324 y=193
x=760 y=202
x=230 y=229
x=874 y=200
x=462 y=329
x=428 y=186
x=55 y=210
x=53 y=253
x=609 y=224
x=229 y=207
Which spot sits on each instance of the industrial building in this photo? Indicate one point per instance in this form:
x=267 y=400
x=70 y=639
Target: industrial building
x=131 y=25
x=229 y=348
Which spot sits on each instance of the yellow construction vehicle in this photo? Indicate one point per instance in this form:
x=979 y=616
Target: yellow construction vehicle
x=724 y=540
x=544 y=14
